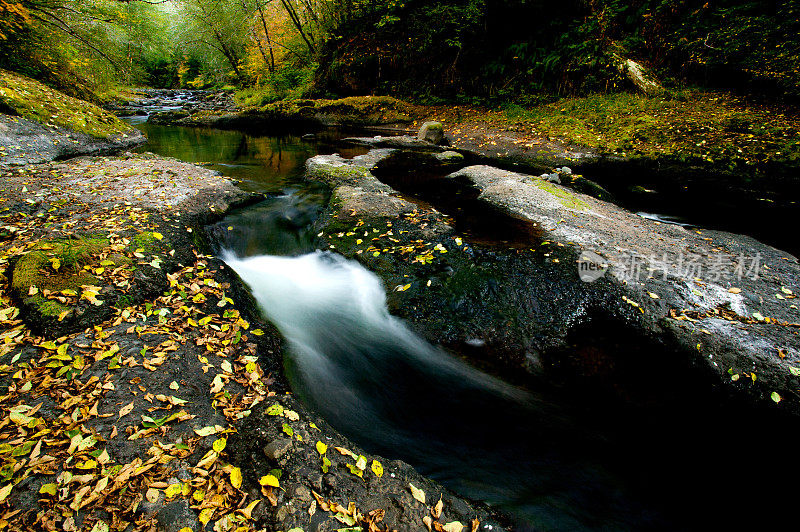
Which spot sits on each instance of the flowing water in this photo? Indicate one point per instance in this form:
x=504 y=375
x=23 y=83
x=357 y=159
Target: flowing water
x=551 y=461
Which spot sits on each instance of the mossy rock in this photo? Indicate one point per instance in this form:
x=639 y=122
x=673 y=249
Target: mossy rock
x=55 y=318
x=35 y=101
x=339 y=174
x=38 y=269
x=361 y=110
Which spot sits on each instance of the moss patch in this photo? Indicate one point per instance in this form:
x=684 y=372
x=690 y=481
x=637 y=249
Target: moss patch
x=344 y=174
x=33 y=100
x=367 y=110
x=36 y=269
x=567 y=199
x=146 y=241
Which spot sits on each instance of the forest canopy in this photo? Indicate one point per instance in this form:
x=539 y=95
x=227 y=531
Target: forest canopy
x=275 y=49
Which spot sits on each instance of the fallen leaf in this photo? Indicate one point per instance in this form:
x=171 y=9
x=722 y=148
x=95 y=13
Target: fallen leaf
x=417 y=493
x=269 y=480
x=377 y=468
x=436 y=511
x=453 y=526
x=125 y=410
x=236 y=477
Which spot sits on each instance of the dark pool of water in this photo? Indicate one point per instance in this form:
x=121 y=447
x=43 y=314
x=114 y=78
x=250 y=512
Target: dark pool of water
x=766 y=209
x=679 y=459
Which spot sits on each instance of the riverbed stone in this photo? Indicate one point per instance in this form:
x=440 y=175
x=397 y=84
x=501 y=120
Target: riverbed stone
x=713 y=293
x=432 y=132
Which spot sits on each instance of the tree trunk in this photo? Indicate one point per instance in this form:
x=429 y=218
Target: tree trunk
x=266 y=35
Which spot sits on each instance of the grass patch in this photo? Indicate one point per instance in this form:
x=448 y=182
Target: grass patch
x=33 y=100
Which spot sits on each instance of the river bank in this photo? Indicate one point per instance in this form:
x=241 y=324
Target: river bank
x=142 y=387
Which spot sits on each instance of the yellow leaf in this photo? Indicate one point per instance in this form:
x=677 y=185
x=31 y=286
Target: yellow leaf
x=125 y=410
x=173 y=490
x=219 y=445
x=205 y=515
x=157 y=236
x=236 y=478
x=257 y=332
x=152 y=495
x=217 y=384
x=209 y=458
x=417 y=493
x=346 y=452
x=454 y=526
x=247 y=511
x=321 y=448
x=437 y=510
x=377 y=468
x=5 y=491
x=269 y=480
x=49 y=489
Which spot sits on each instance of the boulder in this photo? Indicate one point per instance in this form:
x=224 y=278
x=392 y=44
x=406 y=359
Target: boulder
x=432 y=132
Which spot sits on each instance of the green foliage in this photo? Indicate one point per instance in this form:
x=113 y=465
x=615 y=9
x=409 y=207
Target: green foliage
x=496 y=50
x=287 y=82
x=33 y=100
x=84 y=48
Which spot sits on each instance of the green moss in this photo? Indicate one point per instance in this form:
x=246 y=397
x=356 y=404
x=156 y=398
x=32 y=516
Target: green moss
x=48 y=307
x=33 y=100
x=339 y=174
x=144 y=240
x=567 y=199
x=366 y=110
x=35 y=269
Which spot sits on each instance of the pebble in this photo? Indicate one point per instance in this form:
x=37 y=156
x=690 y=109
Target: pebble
x=277 y=448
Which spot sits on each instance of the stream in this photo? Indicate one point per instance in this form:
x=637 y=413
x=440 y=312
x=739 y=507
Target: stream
x=551 y=460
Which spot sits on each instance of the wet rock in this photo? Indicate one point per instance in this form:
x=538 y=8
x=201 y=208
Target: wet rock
x=299 y=507
x=404 y=142
x=450 y=158
x=400 y=162
x=277 y=448
x=29 y=142
x=664 y=271
x=168 y=117
x=176 y=516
